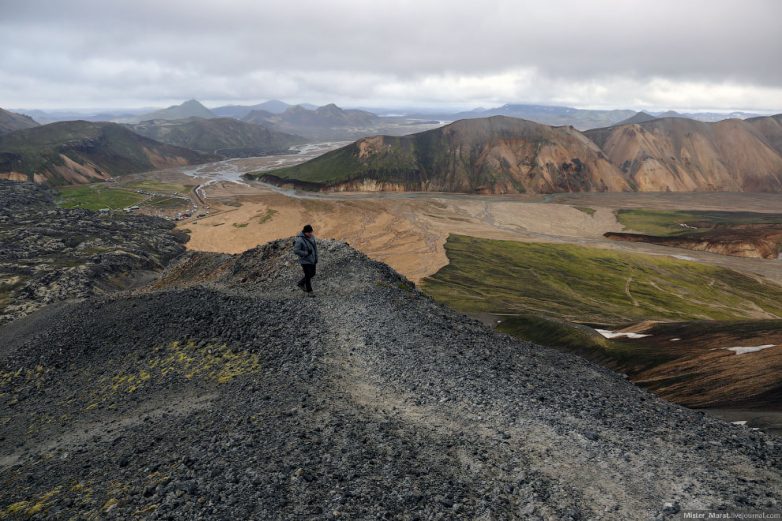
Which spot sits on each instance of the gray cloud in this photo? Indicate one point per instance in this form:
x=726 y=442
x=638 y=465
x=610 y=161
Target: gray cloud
x=661 y=54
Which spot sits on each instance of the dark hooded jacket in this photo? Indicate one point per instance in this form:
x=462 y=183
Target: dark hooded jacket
x=305 y=249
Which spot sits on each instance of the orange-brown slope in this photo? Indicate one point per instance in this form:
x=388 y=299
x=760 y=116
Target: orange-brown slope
x=679 y=154
x=770 y=127
x=487 y=155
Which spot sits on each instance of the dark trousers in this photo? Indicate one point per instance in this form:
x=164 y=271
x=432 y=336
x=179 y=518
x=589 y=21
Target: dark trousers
x=309 y=272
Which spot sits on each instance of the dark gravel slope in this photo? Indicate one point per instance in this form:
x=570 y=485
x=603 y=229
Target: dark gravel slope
x=222 y=393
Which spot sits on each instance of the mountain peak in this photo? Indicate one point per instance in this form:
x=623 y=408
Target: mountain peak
x=191 y=108
x=638 y=117
x=10 y=121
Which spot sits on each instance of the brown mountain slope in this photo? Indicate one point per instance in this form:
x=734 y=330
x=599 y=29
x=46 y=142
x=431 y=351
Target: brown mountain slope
x=487 y=155
x=75 y=152
x=10 y=121
x=678 y=154
x=770 y=127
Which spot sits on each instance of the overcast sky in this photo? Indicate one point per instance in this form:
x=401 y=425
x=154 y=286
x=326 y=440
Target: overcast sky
x=653 y=54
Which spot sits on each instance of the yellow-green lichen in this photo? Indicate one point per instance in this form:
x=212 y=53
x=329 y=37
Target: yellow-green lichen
x=23 y=376
x=29 y=507
x=188 y=360
x=110 y=504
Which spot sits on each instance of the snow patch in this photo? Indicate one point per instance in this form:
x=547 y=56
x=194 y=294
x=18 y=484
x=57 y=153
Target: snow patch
x=616 y=334
x=749 y=349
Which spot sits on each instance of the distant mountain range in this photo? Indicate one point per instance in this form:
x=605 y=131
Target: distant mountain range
x=226 y=137
x=709 y=117
x=10 y=121
x=272 y=106
x=326 y=122
x=582 y=119
x=498 y=154
x=551 y=115
x=73 y=152
x=507 y=155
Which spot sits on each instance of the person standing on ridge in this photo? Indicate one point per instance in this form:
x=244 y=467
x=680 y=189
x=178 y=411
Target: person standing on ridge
x=305 y=248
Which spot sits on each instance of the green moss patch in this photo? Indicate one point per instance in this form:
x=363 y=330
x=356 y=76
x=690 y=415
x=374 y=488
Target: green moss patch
x=587 y=210
x=674 y=222
x=593 y=285
x=96 y=197
x=267 y=216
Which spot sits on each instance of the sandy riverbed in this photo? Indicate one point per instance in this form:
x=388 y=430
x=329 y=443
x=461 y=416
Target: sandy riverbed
x=408 y=231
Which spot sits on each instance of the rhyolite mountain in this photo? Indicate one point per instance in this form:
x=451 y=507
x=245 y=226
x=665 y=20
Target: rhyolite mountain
x=490 y=155
x=221 y=392
x=770 y=127
x=189 y=109
x=509 y=155
x=226 y=137
x=75 y=152
x=681 y=155
x=10 y=121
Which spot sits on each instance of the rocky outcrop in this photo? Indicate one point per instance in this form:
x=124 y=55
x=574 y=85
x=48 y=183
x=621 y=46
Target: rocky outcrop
x=222 y=392
x=50 y=254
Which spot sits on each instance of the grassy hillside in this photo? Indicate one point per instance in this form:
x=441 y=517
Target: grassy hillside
x=95 y=197
x=75 y=152
x=666 y=223
x=341 y=164
x=223 y=136
x=546 y=293
x=592 y=285
x=743 y=234
x=11 y=121
x=116 y=196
